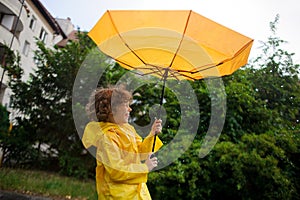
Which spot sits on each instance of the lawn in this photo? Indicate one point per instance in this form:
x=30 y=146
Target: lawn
x=46 y=184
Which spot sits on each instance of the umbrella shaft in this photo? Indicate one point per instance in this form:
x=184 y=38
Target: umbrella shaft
x=165 y=76
x=161 y=102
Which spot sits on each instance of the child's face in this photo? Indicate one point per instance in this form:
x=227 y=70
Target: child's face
x=121 y=113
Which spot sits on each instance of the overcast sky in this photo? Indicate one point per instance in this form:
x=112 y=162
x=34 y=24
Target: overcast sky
x=248 y=17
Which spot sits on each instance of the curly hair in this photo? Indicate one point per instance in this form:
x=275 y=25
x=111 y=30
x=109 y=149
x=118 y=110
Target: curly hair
x=103 y=100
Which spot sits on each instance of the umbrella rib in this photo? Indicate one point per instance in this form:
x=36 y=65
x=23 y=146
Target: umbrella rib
x=156 y=67
x=200 y=69
x=119 y=61
x=222 y=62
x=137 y=68
x=153 y=71
x=186 y=24
x=173 y=74
x=184 y=75
x=114 y=25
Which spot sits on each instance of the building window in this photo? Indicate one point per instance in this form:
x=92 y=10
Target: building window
x=26 y=48
x=8 y=21
x=11 y=23
x=32 y=23
x=43 y=35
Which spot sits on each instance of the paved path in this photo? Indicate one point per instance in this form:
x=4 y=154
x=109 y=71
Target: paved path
x=7 y=195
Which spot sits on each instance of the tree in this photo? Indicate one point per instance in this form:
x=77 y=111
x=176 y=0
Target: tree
x=45 y=110
x=276 y=80
x=4 y=129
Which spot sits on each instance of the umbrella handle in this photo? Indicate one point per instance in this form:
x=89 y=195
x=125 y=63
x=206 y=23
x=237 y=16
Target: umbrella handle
x=153 y=146
x=154 y=141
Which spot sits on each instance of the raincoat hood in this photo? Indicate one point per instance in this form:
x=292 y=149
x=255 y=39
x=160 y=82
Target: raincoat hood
x=93 y=132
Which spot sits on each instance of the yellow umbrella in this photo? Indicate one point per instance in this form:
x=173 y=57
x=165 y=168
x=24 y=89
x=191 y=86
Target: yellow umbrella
x=178 y=44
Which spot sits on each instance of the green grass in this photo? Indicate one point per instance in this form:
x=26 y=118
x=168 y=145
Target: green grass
x=46 y=184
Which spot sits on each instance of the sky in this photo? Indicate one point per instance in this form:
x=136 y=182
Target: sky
x=248 y=17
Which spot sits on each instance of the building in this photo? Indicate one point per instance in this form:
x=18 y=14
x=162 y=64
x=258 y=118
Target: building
x=22 y=22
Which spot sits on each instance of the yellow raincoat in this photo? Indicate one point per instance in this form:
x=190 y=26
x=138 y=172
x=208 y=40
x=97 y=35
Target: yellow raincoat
x=120 y=173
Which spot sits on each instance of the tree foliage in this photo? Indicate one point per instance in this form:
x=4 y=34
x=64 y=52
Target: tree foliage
x=4 y=129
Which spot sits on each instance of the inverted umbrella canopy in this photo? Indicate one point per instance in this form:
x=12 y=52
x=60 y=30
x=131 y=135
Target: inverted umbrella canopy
x=176 y=44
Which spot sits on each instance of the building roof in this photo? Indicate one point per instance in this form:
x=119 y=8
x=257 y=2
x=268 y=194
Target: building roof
x=51 y=20
x=71 y=37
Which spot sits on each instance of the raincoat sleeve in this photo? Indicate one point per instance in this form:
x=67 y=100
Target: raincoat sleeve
x=147 y=144
x=122 y=166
